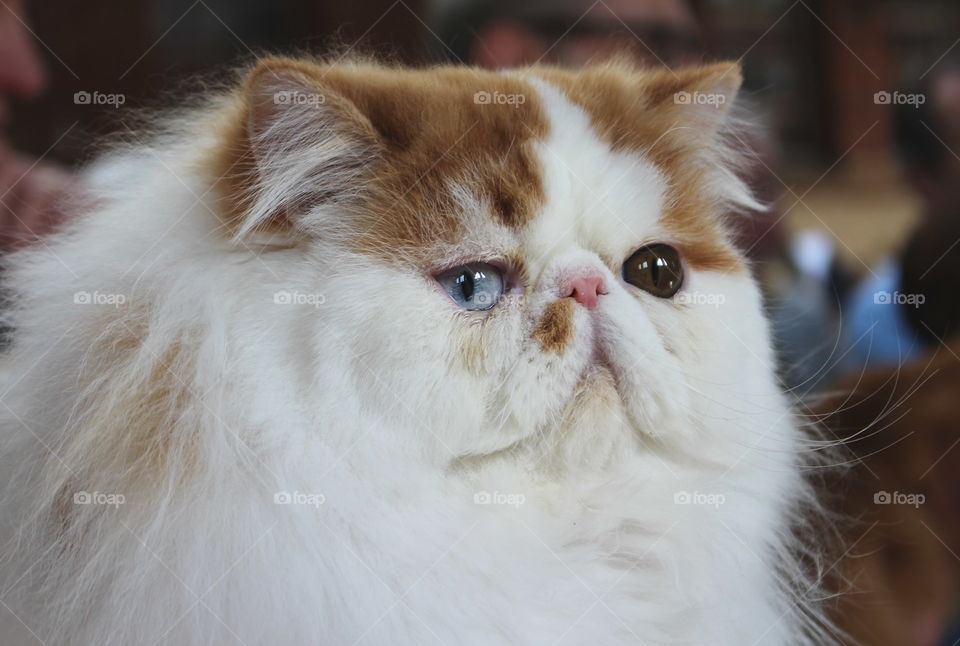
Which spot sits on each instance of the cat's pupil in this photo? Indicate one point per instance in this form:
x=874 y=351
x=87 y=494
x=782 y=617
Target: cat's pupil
x=467 y=285
x=477 y=286
x=656 y=269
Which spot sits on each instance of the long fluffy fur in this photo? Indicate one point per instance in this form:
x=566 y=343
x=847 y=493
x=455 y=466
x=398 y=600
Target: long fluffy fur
x=199 y=399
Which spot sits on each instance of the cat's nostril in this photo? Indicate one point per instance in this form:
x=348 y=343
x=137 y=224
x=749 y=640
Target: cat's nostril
x=586 y=290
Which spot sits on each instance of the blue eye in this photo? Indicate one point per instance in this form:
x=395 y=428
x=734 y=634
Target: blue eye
x=477 y=286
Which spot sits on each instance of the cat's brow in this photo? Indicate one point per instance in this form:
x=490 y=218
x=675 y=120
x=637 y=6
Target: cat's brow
x=443 y=127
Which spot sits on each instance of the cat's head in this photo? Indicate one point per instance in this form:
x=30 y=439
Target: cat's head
x=503 y=256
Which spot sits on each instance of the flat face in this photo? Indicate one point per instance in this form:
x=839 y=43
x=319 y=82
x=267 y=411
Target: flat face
x=579 y=207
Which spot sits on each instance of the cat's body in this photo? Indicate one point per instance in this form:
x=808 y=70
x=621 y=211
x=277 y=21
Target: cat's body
x=307 y=441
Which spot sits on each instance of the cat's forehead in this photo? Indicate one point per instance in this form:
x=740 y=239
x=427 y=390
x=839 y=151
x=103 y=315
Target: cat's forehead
x=467 y=156
x=449 y=131
x=577 y=155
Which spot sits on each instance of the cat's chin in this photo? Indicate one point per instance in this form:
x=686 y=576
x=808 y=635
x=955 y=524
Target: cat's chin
x=594 y=431
x=597 y=390
x=598 y=380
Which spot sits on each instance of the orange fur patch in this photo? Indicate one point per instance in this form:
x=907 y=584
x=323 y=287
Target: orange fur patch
x=554 y=330
x=472 y=348
x=434 y=135
x=128 y=443
x=130 y=435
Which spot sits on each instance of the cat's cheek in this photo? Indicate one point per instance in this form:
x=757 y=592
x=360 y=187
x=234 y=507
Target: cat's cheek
x=481 y=342
x=720 y=327
x=651 y=380
x=715 y=332
x=403 y=359
x=537 y=383
x=484 y=355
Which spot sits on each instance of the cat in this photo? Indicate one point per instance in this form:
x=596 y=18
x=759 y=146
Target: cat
x=351 y=353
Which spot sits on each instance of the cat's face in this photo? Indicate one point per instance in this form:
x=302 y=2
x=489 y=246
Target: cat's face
x=508 y=256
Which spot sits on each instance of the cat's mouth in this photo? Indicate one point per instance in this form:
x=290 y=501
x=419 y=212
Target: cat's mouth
x=598 y=355
x=599 y=369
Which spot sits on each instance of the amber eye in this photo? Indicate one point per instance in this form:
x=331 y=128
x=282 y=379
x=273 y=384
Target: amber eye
x=656 y=269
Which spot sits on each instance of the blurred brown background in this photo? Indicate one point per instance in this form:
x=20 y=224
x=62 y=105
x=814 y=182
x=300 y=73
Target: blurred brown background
x=812 y=68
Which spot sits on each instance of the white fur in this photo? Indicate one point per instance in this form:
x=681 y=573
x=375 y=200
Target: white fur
x=363 y=399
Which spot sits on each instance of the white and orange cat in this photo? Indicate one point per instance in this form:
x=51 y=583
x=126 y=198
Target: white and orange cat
x=359 y=354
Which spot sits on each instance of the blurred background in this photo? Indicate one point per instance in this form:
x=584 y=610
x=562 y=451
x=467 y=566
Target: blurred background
x=857 y=153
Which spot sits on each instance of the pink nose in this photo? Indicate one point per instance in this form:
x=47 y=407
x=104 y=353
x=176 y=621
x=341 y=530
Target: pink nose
x=585 y=290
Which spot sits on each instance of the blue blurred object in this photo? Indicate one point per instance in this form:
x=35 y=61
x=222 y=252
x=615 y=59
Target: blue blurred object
x=875 y=330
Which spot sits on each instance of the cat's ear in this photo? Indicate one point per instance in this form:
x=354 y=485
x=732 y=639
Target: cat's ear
x=697 y=104
x=305 y=148
x=700 y=98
